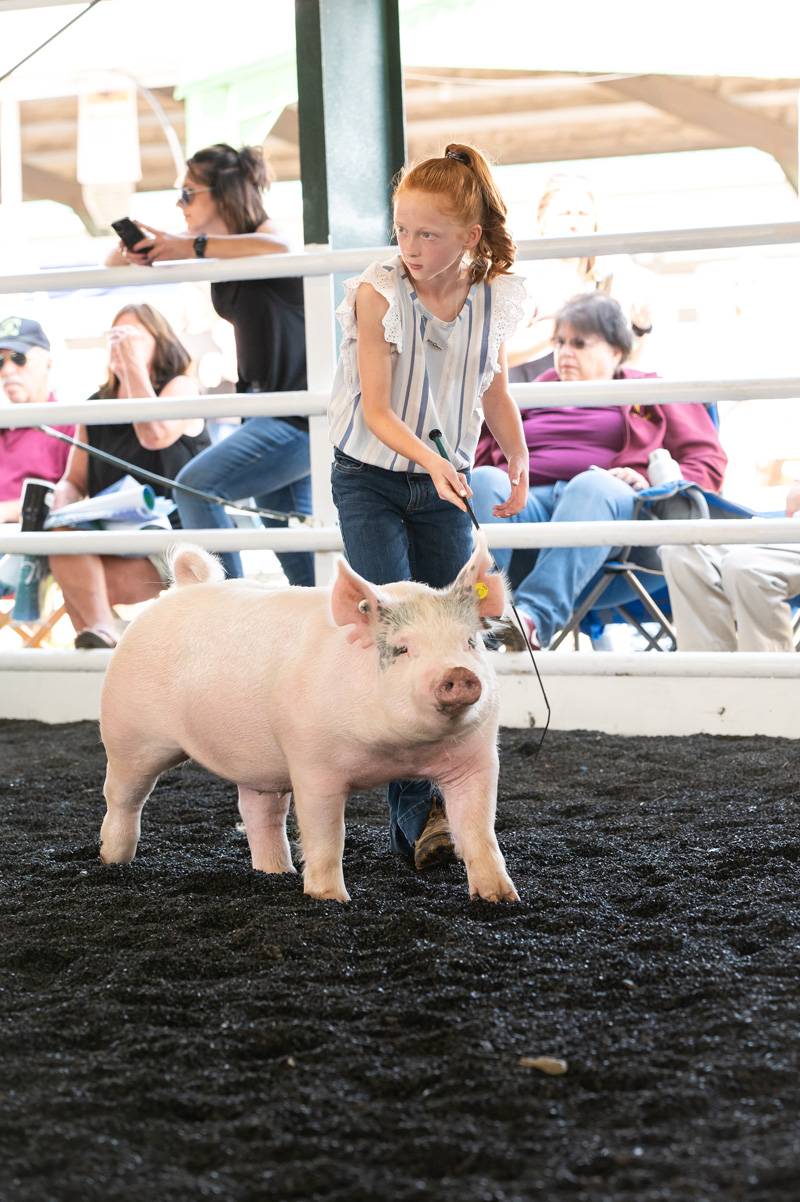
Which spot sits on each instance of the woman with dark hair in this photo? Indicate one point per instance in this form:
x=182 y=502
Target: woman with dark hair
x=567 y=446
x=266 y=458
x=146 y=359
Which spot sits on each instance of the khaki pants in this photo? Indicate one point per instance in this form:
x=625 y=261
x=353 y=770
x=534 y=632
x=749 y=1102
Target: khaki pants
x=732 y=598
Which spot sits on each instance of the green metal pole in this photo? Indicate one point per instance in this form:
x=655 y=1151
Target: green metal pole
x=350 y=104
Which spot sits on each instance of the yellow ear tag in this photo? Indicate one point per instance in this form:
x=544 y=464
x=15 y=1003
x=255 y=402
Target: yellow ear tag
x=482 y=590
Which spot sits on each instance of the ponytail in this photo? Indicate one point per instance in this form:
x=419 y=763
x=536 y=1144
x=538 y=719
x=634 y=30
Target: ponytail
x=463 y=178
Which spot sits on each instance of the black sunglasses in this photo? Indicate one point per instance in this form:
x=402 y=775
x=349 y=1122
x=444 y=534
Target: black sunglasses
x=17 y=357
x=187 y=194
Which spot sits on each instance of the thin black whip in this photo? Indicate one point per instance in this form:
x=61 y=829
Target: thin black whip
x=437 y=438
x=133 y=470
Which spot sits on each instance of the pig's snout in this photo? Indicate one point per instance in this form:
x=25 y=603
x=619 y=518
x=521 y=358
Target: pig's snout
x=457 y=689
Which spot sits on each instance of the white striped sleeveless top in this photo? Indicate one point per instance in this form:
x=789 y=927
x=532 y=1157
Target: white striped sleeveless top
x=440 y=369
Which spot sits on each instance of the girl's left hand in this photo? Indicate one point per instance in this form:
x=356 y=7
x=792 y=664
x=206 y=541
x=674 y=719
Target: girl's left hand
x=630 y=476
x=168 y=246
x=518 y=475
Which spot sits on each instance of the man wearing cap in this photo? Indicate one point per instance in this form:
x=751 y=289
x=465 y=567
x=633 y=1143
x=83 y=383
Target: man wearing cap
x=25 y=377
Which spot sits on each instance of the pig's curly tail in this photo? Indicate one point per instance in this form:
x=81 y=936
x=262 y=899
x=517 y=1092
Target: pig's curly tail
x=189 y=564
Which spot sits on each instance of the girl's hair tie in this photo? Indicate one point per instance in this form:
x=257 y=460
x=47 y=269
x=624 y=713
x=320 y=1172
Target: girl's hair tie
x=459 y=155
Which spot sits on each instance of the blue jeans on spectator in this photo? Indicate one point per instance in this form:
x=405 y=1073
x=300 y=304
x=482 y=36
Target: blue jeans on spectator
x=548 y=592
x=395 y=527
x=266 y=459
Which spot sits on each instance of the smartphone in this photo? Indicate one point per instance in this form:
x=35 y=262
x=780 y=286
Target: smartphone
x=129 y=232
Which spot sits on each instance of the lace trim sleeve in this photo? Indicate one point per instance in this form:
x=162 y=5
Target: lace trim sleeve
x=384 y=280
x=509 y=298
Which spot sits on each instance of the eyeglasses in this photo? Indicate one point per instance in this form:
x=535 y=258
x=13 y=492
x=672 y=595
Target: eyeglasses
x=17 y=357
x=187 y=194
x=577 y=344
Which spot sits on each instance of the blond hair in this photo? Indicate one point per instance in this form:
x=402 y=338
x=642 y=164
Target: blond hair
x=560 y=182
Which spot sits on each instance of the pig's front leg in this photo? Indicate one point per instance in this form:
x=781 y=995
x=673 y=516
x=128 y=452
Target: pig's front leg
x=264 y=817
x=470 y=801
x=320 y=817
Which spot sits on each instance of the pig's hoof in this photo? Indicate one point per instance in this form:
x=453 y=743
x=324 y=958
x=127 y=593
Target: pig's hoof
x=502 y=891
x=122 y=854
x=274 y=869
x=332 y=894
x=109 y=860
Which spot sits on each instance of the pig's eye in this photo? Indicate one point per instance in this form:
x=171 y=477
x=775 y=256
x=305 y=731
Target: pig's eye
x=401 y=650
x=472 y=644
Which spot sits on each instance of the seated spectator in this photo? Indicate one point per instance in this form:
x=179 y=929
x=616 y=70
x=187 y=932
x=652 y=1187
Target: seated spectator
x=735 y=598
x=567 y=445
x=25 y=376
x=145 y=360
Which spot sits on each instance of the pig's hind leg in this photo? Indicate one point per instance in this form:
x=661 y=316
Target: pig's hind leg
x=320 y=817
x=130 y=779
x=264 y=817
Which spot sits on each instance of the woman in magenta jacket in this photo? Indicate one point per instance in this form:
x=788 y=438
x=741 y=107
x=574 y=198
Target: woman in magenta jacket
x=568 y=444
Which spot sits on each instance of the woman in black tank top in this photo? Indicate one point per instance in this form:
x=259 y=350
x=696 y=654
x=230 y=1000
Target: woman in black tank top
x=145 y=359
x=266 y=458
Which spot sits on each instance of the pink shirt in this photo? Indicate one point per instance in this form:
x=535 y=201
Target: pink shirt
x=26 y=451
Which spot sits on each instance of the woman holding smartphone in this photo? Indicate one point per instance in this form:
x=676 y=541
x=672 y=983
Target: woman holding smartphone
x=267 y=458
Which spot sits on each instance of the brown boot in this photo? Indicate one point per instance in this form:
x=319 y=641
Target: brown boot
x=435 y=844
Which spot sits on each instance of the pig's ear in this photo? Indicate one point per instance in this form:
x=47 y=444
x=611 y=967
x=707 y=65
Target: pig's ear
x=489 y=588
x=354 y=603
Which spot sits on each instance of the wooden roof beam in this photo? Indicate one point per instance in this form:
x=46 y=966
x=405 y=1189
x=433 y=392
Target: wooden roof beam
x=738 y=125
x=46 y=185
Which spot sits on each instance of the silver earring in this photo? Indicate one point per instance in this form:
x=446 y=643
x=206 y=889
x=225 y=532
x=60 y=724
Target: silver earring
x=363 y=606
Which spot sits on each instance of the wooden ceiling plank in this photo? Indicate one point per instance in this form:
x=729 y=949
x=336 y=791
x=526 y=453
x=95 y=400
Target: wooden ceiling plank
x=46 y=185
x=736 y=123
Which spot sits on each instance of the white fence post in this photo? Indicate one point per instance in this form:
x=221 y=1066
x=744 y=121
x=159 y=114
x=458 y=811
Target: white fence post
x=320 y=366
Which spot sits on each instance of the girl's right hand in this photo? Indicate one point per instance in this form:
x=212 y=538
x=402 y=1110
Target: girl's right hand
x=450 y=485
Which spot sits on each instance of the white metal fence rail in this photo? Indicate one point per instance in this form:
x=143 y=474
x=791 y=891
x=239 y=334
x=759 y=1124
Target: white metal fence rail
x=327 y=538
x=325 y=262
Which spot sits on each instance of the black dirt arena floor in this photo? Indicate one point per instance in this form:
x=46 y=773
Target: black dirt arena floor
x=186 y=1029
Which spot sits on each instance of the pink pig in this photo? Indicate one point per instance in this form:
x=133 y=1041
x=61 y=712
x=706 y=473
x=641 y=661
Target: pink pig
x=310 y=693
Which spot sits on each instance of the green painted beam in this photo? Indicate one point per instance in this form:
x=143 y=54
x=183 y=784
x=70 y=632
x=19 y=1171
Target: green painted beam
x=350 y=107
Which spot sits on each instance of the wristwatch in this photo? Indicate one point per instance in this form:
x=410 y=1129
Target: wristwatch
x=199 y=245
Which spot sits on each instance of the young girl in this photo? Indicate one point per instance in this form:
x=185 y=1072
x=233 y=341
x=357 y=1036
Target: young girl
x=423 y=350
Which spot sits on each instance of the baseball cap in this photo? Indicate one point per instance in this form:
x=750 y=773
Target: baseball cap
x=20 y=334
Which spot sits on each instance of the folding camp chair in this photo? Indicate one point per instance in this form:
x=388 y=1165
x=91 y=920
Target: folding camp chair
x=34 y=633
x=627 y=591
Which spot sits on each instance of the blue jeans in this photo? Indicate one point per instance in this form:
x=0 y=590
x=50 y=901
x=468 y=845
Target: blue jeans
x=395 y=527
x=266 y=459
x=555 y=577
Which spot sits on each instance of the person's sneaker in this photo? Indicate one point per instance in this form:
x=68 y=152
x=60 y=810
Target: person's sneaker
x=95 y=637
x=508 y=636
x=435 y=844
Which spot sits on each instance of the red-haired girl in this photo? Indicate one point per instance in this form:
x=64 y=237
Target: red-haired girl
x=423 y=349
